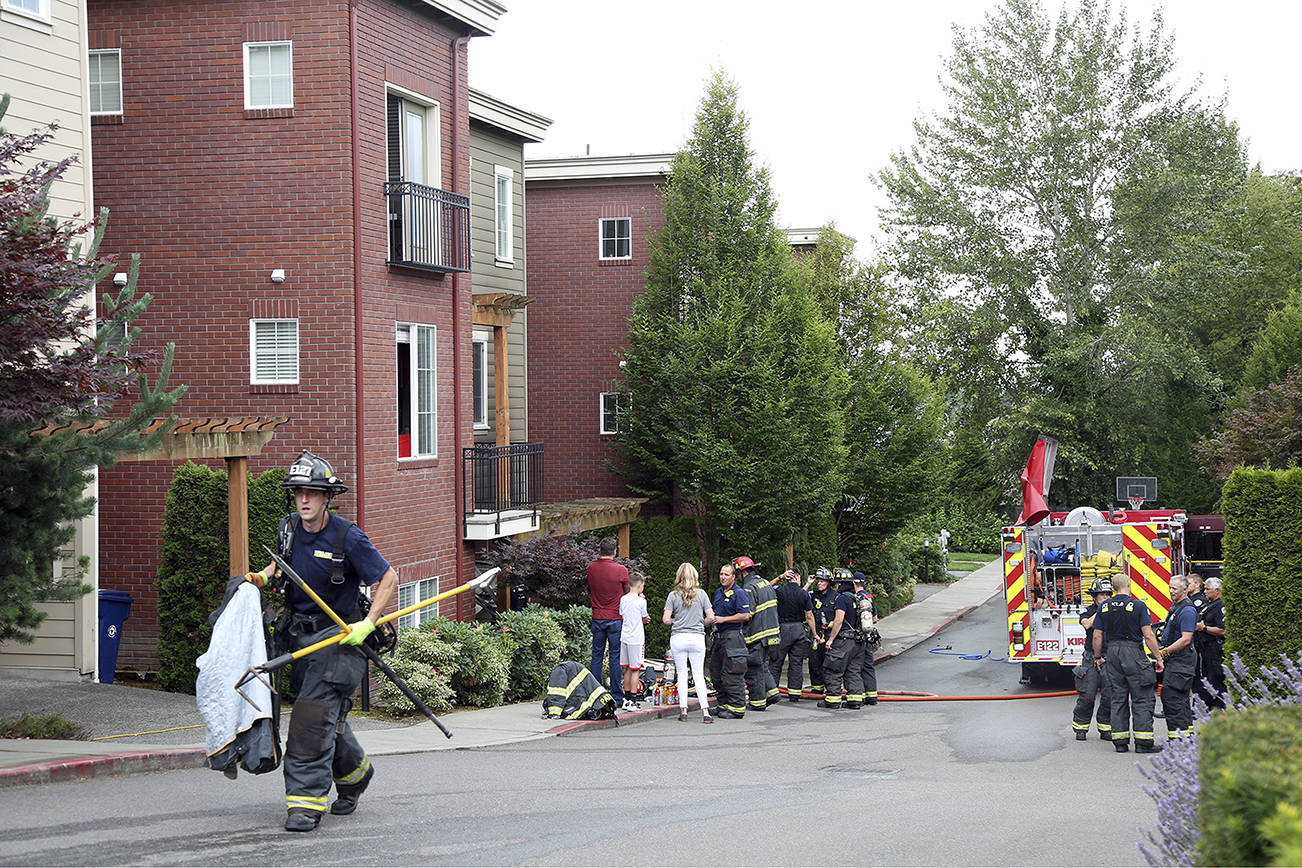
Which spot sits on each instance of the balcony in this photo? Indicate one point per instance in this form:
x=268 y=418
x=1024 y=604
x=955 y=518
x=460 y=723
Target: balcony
x=503 y=489
x=429 y=228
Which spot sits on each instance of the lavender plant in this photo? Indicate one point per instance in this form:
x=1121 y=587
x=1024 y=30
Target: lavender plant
x=1174 y=772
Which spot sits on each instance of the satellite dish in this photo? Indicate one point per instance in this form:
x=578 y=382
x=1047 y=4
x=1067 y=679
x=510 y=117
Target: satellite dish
x=1084 y=515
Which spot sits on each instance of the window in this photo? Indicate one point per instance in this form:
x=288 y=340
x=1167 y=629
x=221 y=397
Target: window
x=413 y=140
x=417 y=397
x=35 y=8
x=273 y=351
x=615 y=408
x=479 y=347
x=616 y=238
x=412 y=593
x=502 y=212
x=268 y=75
x=106 y=82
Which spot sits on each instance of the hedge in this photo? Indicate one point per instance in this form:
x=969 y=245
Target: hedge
x=536 y=644
x=1250 y=774
x=1263 y=557
x=195 y=560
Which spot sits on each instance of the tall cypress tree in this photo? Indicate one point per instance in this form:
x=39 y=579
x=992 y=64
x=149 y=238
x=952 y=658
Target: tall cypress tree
x=737 y=390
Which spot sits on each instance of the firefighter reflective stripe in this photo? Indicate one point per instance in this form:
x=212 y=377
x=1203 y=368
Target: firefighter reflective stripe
x=854 y=697
x=1142 y=736
x=762 y=635
x=311 y=803
x=601 y=694
x=771 y=692
x=1015 y=593
x=871 y=694
x=735 y=709
x=1149 y=567
x=1081 y=727
x=1123 y=735
x=356 y=775
x=564 y=692
x=1104 y=727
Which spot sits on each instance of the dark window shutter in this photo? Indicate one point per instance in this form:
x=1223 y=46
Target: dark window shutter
x=395 y=138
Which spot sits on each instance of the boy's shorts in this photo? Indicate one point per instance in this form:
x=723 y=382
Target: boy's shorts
x=630 y=656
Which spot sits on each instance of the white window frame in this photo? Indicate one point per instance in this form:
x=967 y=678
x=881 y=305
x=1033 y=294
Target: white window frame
x=601 y=237
x=411 y=334
x=41 y=14
x=504 y=215
x=100 y=53
x=254 y=379
x=248 y=105
x=620 y=412
x=479 y=352
x=410 y=593
x=433 y=133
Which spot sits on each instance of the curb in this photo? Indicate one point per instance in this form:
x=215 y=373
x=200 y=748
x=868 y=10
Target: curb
x=654 y=713
x=102 y=766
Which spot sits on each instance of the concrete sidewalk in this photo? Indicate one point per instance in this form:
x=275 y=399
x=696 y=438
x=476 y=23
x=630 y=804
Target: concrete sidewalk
x=137 y=729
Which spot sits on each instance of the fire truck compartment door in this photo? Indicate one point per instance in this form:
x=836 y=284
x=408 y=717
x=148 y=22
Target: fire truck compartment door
x=1073 y=635
x=1046 y=634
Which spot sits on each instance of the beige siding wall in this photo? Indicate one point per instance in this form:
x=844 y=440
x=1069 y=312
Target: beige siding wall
x=488 y=151
x=43 y=70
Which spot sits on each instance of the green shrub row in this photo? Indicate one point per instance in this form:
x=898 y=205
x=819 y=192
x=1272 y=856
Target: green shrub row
x=663 y=544
x=1263 y=557
x=462 y=663
x=1250 y=777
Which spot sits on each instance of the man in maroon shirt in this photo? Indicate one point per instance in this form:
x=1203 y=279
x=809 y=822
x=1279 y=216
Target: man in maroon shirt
x=607 y=582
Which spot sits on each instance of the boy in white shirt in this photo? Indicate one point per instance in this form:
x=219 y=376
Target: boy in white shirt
x=632 y=639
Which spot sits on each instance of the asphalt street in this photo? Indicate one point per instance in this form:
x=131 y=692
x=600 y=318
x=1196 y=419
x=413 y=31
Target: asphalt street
x=922 y=783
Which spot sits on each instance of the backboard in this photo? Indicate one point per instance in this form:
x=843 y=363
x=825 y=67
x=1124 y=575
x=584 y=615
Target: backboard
x=1136 y=490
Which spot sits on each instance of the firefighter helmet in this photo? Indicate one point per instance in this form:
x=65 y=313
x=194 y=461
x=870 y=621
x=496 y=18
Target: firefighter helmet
x=842 y=574
x=1101 y=586
x=313 y=471
x=744 y=563
x=823 y=574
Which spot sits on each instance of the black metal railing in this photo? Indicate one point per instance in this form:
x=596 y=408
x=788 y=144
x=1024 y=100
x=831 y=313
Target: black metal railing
x=502 y=478
x=428 y=227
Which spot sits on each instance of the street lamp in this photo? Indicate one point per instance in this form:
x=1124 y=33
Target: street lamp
x=926 y=559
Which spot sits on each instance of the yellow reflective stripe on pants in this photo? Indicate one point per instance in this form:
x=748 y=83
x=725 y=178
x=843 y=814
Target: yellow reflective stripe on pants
x=1080 y=727
x=854 y=697
x=311 y=803
x=1104 y=727
x=357 y=774
x=735 y=709
x=1143 y=736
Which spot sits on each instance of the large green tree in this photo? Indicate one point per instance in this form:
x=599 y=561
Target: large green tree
x=1033 y=220
x=737 y=391
x=62 y=371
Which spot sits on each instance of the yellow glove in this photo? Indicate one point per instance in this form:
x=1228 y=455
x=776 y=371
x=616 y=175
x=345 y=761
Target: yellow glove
x=358 y=631
x=257 y=578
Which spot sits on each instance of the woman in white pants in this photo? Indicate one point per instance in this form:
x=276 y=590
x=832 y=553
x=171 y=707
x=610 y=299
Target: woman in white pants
x=687 y=611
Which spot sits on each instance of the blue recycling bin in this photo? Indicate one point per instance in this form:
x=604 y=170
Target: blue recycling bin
x=114 y=608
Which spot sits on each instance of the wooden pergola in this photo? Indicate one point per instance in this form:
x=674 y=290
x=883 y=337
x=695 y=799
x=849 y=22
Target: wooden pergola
x=234 y=439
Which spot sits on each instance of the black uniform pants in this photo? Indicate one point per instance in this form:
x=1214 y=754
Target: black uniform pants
x=761 y=687
x=728 y=662
x=1132 y=683
x=321 y=747
x=792 y=648
x=817 y=679
x=843 y=668
x=868 y=674
x=1213 y=672
x=1091 y=684
x=1177 y=685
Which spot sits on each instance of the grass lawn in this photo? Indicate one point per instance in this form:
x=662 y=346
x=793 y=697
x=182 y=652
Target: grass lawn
x=969 y=560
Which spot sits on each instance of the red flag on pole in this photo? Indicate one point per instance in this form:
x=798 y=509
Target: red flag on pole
x=1035 y=481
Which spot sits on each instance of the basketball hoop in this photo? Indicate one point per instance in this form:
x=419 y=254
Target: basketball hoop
x=1135 y=502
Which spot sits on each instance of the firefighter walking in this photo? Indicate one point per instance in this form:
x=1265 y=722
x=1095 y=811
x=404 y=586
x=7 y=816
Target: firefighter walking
x=1125 y=627
x=334 y=557
x=795 y=613
x=1090 y=683
x=760 y=634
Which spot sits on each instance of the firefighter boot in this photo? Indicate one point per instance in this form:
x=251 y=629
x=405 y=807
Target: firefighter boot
x=1147 y=747
x=302 y=820
x=348 y=795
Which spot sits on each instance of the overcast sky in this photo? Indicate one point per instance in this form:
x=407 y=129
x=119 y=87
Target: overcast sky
x=831 y=87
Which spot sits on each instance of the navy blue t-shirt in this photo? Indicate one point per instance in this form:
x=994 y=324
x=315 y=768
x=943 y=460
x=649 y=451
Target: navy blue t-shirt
x=311 y=559
x=1180 y=620
x=1122 y=618
x=846 y=603
x=731 y=602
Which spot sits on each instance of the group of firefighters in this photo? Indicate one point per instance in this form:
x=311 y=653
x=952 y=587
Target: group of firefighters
x=788 y=623
x=1186 y=652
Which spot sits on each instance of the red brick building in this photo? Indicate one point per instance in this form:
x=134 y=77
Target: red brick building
x=589 y=220
x=295 y=178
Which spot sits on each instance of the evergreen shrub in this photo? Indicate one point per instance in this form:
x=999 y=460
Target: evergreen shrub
x=426 y=661
x=1263 y=557
x=576 y=625
x=1250 y=769
x=536 y=643
x=483 y=671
